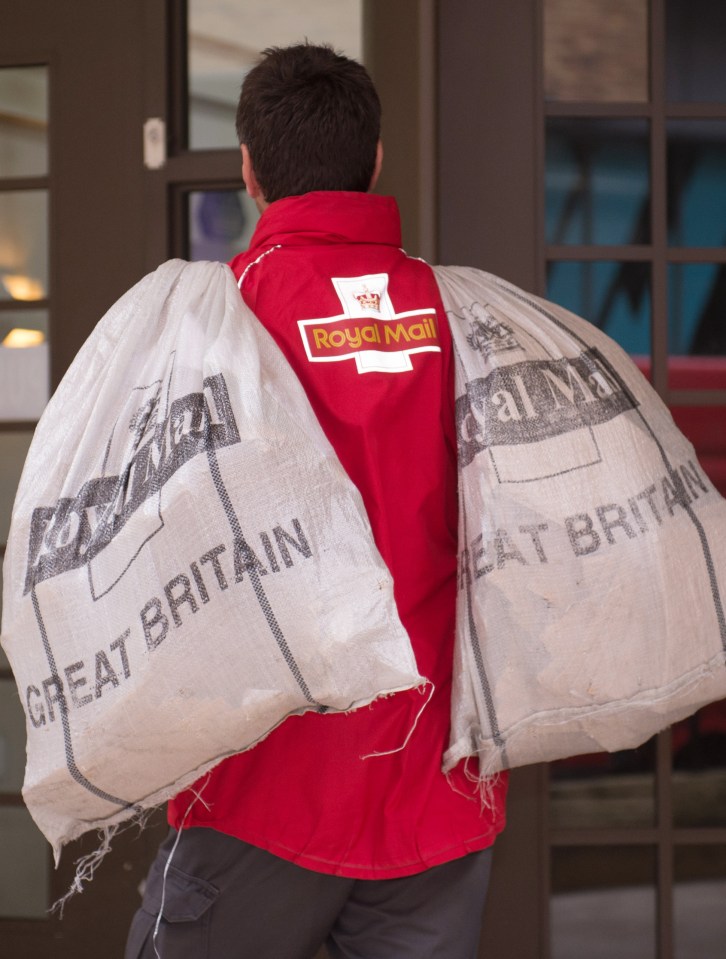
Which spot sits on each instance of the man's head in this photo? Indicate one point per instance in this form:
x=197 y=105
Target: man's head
x=308 y=119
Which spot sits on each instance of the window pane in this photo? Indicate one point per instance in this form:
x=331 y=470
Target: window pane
x=24 y=866
x=221 y=223
x=226 y=38
x=23 y=121
x=596 y=50
x=24 y=245
x=699 y=764
x=597 y=181
x=695 y=34
x=603 y=904
x=604 y=790
x=613 y=296
x=696 y=328
x=696 y=182
x=699 y=898
x=12 y=738
x=24 y=364
x=13 y=450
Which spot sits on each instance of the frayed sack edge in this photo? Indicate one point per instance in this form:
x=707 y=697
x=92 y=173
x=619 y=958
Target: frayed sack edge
x=538 y=737
x=484 y=786
x=87 y=865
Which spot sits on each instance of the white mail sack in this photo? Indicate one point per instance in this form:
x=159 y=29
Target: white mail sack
x=592 y=544
x=188 y=563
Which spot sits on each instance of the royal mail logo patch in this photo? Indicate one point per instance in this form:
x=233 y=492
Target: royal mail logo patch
x=369 y=300
x=369 y=331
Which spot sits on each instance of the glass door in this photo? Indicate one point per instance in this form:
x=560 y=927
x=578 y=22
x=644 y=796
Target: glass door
x=580 y=155
x=205 y=214
x=24 y=391
x=635 y=184
x=71 y=224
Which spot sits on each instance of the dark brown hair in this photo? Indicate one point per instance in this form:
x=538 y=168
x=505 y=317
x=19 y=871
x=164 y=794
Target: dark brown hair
x=310 y=119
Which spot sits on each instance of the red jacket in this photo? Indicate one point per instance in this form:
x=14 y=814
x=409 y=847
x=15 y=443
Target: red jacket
x=362 y=325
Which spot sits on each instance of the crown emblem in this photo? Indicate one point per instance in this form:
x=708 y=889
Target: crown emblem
x=489 y=334
x=368 y=300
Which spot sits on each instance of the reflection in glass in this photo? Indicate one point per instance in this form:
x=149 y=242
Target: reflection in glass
x=24 y=245
x=596 y=50
x=13 y=320
x=12 y=738
x=603 y=904
x=24 y=364
x=24 y=866
x=13 y=450
x=698 y=901
x=696 y=183
x=597 y=181
x=699 y=768
x=696 y=309
x=695 y=35
x=613 y=296
x=23 y=121
x=221 y=223
x=604 y=790
x=225 y=40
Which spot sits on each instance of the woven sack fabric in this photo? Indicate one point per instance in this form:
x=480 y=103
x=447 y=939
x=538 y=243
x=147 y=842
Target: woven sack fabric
x=592 y=565
x=188 y=563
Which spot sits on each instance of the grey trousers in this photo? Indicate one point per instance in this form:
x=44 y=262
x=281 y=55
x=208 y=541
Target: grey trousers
x=225 y=899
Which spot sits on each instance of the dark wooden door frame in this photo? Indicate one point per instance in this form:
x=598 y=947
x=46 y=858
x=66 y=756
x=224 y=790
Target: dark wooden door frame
x=489 y=144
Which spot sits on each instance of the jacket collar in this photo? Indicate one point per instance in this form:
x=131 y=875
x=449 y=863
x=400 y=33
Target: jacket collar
x=329 y=216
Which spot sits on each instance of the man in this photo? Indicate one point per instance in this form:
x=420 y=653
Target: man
x=341 y=829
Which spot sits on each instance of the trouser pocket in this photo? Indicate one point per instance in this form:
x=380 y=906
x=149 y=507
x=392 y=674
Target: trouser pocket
x=185 y=903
